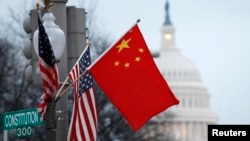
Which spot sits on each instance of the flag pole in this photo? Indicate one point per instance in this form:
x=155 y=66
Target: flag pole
x=62 y=93
x=38 y=10
x=137 y=21
x=59 y=94
x=59 y=91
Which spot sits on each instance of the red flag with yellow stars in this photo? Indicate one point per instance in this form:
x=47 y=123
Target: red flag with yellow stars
x=129 y=77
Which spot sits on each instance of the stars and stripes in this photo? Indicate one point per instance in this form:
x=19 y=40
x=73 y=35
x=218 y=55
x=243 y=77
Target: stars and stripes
x=48 y=68
x=83 y=126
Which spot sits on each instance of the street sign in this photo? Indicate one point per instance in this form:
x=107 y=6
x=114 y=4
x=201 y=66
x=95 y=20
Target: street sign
x=23 y=118
x=23 y=132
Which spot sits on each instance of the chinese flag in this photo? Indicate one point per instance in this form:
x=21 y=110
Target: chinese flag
x=129 y=77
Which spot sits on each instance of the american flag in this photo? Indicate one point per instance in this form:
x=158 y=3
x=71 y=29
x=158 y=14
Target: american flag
x=83 y=126
x=48 y=69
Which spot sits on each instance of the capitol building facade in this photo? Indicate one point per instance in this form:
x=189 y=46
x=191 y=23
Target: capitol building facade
x=188 y=120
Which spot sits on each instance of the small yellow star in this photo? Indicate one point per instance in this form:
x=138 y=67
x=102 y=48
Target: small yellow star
x=124 y=44
x=126 y=65
x=116 y=63
x=137 y=59
x=141 y=50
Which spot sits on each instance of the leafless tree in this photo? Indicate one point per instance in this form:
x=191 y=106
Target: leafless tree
x=17 y=94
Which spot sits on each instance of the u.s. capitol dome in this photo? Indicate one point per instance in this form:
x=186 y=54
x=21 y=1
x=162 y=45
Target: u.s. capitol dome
x=188 y=120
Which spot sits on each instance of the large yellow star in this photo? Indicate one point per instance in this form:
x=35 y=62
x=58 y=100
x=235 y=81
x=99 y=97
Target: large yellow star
x=124 y=44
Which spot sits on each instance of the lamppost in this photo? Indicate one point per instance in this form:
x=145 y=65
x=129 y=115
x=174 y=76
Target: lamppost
x=60 y=12
x=71 y=21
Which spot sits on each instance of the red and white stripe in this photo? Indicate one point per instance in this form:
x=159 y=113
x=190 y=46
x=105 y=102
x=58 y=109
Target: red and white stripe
x=50 y=80
x=83 y=126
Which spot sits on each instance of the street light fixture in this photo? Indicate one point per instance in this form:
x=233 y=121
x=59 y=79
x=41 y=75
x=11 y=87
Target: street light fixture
x=55 y=34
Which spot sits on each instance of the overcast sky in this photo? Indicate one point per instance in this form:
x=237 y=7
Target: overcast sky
x=214 y=34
